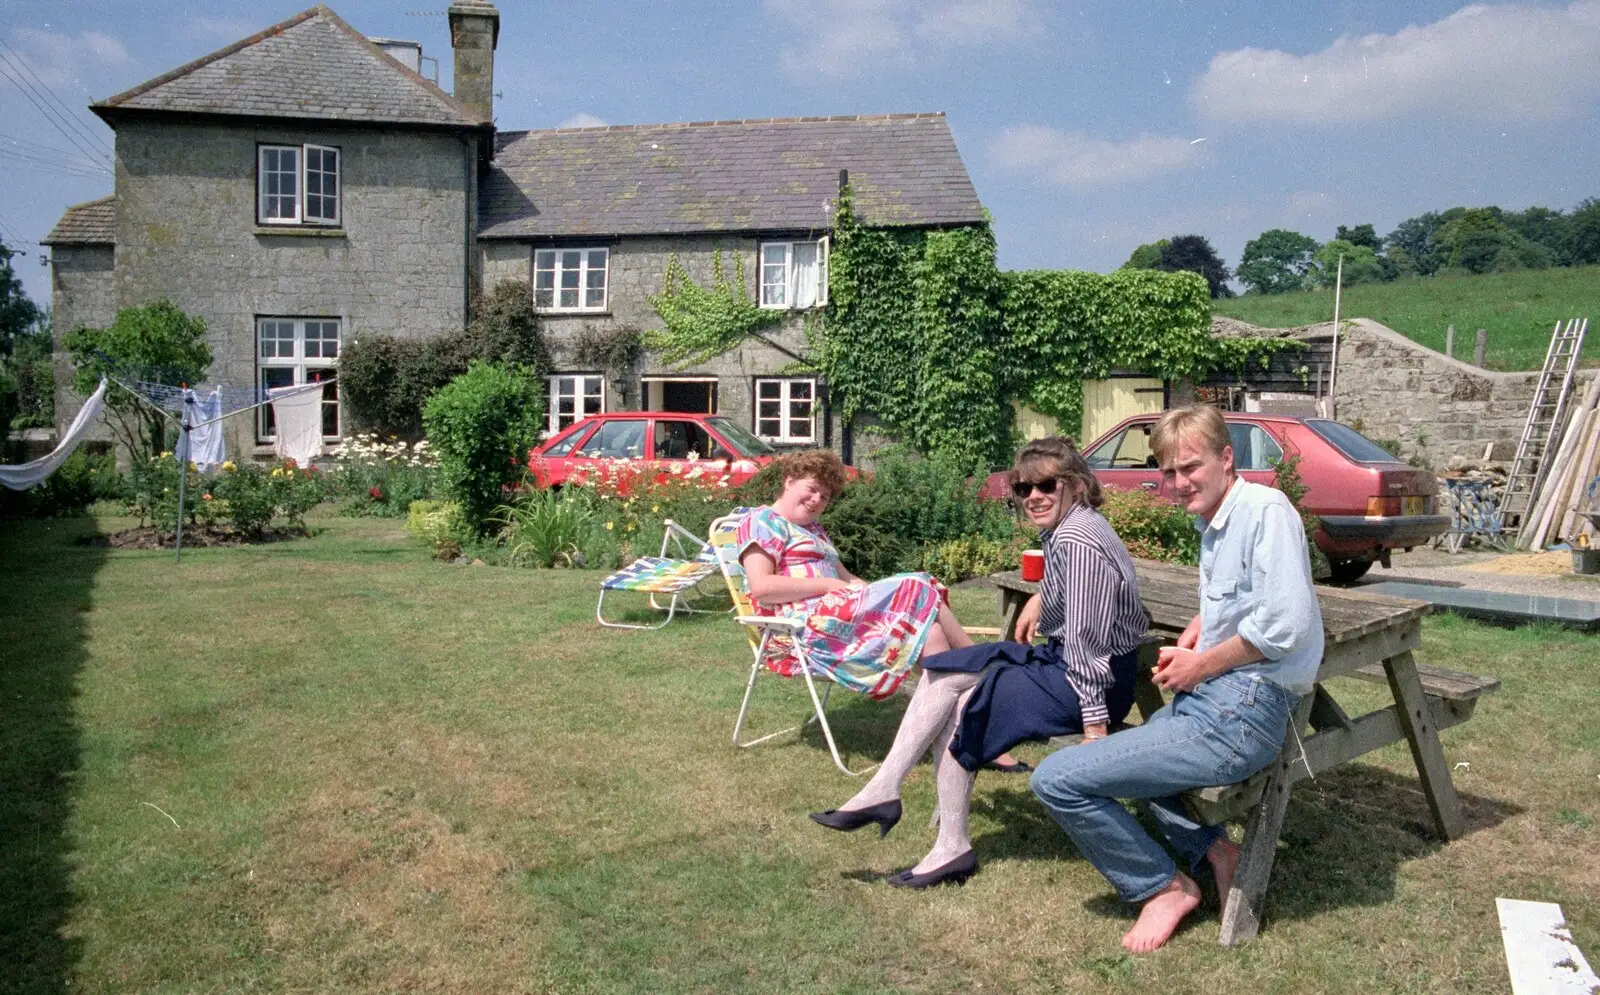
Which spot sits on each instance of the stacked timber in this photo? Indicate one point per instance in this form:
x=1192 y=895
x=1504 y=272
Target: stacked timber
x=1555 y=512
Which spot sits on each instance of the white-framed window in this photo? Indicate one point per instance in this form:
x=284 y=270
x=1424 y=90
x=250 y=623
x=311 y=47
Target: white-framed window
x=297 y=185
x=786 y=409
x=573 y=396
x=794 y=274
x=570 y=279
x=292 y=351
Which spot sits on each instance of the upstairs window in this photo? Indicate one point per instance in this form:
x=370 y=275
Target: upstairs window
x=297 y=185
x=794 y=274
x=570 y=279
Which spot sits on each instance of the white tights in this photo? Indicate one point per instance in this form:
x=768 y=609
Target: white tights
x=930 y=721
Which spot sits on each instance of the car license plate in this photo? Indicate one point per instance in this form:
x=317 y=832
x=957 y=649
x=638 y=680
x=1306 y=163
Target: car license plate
x=1413 y=505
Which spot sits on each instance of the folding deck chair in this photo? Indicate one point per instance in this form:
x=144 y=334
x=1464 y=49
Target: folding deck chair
x=663 y=575
x=763 y=631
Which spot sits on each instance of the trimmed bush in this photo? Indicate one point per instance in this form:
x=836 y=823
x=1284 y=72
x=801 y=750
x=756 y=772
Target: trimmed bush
x=481 y=426
x=1152 y=527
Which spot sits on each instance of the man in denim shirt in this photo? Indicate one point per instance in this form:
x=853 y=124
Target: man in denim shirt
x=1236 y=674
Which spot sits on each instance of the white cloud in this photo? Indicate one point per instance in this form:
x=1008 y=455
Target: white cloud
x=845 y=36
x=57 y=58
x=1501 y=62
x=1074 y=159
x=582 y=121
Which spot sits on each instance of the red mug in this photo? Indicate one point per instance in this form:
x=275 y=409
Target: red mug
x=1033 y=564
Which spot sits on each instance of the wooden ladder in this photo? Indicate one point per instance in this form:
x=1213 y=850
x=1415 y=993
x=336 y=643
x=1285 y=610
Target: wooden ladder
x=1543 y=427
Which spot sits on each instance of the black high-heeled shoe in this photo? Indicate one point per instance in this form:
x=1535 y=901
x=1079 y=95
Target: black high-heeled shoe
x=951 y=872
x=885 y=814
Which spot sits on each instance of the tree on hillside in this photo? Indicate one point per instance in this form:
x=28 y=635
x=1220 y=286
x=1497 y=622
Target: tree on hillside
x=1147 y=256
x=1277 y=262
x=1361 y=264
x=1477 y=241
x=1544 y=227
x=1193 y=253
x=1583 y=233
x=1414 y=238
x=155 y=342
x=1360 y=235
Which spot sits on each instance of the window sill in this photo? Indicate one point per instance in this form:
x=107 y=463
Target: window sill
x=551 y=313
x=796 y=310
x=301 y=231
x=268 y=450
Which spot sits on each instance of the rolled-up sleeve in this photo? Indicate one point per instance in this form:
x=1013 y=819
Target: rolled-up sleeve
x=1285 y=616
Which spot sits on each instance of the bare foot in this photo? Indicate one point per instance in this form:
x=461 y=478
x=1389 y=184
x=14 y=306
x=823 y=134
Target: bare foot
x=1161 y=915
x=1224 y=858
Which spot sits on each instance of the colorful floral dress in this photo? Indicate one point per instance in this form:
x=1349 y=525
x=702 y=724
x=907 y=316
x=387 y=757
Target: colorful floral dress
x=865 y=638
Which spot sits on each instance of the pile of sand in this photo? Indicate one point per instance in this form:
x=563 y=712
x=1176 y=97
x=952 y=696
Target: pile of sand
x=1548 y=564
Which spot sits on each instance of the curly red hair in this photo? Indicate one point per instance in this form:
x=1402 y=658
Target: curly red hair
x=822 y=465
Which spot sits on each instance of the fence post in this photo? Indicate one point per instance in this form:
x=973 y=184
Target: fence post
x=1477 y=350
x=1450 y=341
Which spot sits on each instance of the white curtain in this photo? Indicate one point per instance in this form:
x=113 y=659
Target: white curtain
x=805 y=274
x=24 y=476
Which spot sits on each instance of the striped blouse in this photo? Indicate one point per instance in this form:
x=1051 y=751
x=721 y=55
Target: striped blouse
x=1089 y=601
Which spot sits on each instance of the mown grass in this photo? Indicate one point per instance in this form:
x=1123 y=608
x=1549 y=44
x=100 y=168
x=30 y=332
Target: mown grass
x=336 y=765
x=1518 y=310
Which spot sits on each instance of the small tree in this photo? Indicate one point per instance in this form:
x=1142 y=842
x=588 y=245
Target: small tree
x=482 y=425
x=1361 y=264
x=155 y=342
x=1147 y=256
x=1583 y=233
x=1195 y=254
x=1277 y=262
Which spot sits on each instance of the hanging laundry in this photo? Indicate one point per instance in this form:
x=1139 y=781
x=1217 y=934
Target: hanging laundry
x=205 y=447
x=25 y=475
x=297 y=413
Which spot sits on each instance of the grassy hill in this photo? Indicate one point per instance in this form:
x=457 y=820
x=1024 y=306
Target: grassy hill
x=1518 y=309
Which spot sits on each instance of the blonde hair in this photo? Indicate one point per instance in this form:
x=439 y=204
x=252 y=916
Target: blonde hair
x=1057 y=456
x=822 y=465
x=1200 y=421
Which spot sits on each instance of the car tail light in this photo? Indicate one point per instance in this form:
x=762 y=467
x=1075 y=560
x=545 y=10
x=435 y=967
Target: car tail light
x=1385 y=507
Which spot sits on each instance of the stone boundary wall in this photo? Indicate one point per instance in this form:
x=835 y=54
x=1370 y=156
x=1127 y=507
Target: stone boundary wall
x=1446 y=410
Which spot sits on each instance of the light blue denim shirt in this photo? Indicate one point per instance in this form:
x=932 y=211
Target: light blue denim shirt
x=1255 y=582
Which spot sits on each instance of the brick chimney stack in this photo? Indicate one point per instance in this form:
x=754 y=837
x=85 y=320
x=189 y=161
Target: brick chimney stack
x=474 y=35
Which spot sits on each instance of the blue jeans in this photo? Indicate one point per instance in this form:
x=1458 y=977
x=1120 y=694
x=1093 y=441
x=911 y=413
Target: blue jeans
x=1223 y=731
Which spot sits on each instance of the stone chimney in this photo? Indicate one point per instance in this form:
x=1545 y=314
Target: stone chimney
x=474 y=34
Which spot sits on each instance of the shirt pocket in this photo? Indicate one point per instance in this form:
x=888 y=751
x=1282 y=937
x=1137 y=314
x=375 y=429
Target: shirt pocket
x=1221 y=589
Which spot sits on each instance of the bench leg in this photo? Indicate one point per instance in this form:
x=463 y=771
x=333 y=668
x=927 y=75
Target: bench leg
x=1416 y=718
x=1242 y=907
x=1011 y=603
x=1146 y=696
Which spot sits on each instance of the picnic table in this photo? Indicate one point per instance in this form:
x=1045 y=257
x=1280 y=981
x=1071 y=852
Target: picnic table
x=1368 y=637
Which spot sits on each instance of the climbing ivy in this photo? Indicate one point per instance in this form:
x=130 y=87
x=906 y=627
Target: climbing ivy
x=702 y=323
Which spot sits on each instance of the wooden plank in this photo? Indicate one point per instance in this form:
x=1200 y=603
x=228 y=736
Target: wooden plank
x=1540 y=955
x=1422 y=734
x=1437 y=682
x=1372 y=648
x=1245 y=901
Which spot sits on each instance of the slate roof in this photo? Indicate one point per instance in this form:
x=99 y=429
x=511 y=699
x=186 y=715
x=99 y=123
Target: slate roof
x=312 y=66
x=724 y=176
x=93 y=222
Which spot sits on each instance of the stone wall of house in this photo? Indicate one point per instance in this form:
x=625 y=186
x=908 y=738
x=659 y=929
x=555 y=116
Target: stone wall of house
x=399 y=264
x=1446 y=410
x=637 y=268
x=82 y=293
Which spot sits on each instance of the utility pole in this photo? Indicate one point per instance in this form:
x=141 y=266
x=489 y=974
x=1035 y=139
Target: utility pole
x=1333 y=370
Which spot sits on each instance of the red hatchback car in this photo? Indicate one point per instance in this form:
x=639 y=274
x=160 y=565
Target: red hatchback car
x=655 y=437
x=1369 y=502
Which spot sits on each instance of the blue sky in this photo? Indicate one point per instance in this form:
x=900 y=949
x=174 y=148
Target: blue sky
x=1087 y=129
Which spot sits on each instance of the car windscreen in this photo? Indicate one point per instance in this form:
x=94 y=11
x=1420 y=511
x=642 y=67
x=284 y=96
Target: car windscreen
x=742 y=438
x=1350 y=442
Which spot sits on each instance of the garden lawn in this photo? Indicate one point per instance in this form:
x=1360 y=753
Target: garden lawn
x=336 y=765
x=1518 y=310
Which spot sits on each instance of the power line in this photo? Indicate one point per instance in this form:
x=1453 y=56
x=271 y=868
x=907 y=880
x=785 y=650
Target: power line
x=50 y=94
x=52 y=115
x=72 y=167
x=30 y=145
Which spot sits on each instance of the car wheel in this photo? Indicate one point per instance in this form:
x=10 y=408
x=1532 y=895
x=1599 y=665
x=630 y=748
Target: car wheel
x=1348 y=571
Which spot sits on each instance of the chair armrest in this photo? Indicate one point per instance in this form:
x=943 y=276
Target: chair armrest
x=778 y=622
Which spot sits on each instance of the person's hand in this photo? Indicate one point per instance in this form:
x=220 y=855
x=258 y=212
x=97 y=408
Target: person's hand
x=1178 y=669
x=1028 y=621
x=840 y=584
x=1190 y=638
x=1096 y=730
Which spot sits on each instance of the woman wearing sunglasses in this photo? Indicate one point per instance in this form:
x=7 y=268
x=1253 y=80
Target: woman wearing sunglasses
x=978 y=702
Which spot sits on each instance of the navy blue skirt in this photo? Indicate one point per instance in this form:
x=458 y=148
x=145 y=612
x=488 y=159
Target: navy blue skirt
x=1027 y=697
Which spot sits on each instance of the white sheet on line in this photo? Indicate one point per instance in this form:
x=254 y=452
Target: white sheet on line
x=297 y=415
x=25 y=475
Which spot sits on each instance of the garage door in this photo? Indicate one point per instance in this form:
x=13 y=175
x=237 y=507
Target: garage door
x=1107 y=402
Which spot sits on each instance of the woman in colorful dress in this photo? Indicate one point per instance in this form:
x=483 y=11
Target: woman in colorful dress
x=866 y=636
x=976 y=703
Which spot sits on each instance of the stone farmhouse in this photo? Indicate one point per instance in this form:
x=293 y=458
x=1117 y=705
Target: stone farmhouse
x=308 y=185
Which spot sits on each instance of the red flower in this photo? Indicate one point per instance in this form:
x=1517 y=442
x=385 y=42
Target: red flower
x=376 y=493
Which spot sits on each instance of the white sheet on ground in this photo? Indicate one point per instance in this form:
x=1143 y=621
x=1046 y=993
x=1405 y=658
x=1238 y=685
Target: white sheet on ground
x=25 y=475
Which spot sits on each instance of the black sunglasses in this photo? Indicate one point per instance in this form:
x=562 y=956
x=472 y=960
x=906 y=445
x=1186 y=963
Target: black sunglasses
x=1023 y=488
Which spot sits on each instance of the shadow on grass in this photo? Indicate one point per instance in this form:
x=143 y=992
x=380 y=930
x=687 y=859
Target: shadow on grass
x=1344 y=840
x=47 y=581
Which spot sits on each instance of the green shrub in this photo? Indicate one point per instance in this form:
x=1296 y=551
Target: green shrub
x=440 y=525
x=1152 y=527
x=956 y=560
x=543 y=528
x=251 y=496
x=153 y=490
x=378 y=478
x=80 y=480
x=482 y=425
